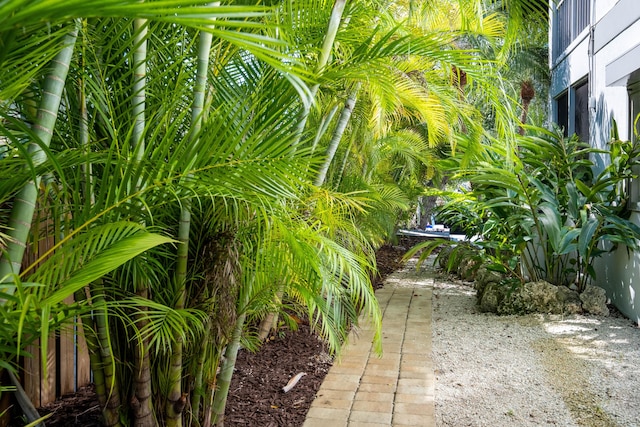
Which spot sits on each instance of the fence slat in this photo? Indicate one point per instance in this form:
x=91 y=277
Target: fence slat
x=31 y=374
x=67 y=356
x=48 y=392
x=83 y=365
x=68 y=367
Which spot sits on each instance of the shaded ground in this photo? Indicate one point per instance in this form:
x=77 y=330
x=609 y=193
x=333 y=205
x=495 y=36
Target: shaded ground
x=255 y=397
x=77 y=409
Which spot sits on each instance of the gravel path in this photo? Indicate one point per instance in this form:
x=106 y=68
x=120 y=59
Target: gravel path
x=531 y=370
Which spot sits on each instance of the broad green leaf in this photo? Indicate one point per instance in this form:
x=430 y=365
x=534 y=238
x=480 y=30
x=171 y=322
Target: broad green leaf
x=552 y=223
x=586 y=238
x=503 y=180
x=568 y=240
x=108 y=260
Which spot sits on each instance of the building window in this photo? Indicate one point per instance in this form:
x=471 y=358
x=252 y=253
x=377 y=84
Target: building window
x=562 y=112
x=634 y=135
x=581 y=111
x=572 y=111
x=571 y=17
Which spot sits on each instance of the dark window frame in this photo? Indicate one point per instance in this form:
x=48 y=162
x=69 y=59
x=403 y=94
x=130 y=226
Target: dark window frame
x=562 y=112
x=581 y=120
x=571 y=17
x=633 y=89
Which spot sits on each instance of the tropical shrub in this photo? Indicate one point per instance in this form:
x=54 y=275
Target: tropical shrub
x=547 y=215
x=175 y=145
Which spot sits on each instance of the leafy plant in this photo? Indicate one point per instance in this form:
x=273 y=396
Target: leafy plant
x=546 y=215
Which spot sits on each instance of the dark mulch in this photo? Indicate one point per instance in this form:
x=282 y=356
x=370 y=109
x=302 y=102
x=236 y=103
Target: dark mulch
x=75 y=409
x=255 y=397
x=389 y=259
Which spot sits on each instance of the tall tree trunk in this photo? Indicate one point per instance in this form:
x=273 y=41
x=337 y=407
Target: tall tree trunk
x=325 y=53
x=141 y=401
x=139 y=96
x=324 y=124
x=345 y=115
x=527 y=92
x=24 y=203
x=175 y=403
x=229 y=363
x=343 y=165
x=176 y=398
x=98 y=340
x=270 y=321
x=103 y=362
x=199 y=387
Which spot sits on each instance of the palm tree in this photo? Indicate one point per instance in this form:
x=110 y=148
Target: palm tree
x=175 y=396
x=113 y=200
x=132 y=155
x=23 y=208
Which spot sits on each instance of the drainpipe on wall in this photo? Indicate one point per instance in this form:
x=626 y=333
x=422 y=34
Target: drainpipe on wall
x=592 y=83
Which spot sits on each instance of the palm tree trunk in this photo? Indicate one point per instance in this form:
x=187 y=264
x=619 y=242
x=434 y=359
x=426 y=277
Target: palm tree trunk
x=141 y=401
x=345 y=115
x=326 y=120
x=198 y=381
x=175 y=400
x=139 y=88
x=527 y=92
x=270 y=321
x=523 y=117
x=325 y=52
x=102 y=361
x=98 y=342
x=25 y=201
x=224 y=379
x=343 y=165
x=83 y=128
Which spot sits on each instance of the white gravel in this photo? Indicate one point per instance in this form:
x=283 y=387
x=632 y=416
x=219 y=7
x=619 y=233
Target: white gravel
x=531 y=370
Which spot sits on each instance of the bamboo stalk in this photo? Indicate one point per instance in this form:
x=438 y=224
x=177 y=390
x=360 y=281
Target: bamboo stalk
x=325 y=53
x=345 y=116
x=174 y=405
x=24 y=203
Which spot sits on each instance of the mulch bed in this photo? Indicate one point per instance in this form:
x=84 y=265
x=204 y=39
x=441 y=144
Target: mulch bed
x=255 y=396
x=76 y=409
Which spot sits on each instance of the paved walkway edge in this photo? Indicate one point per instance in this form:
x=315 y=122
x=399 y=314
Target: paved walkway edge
x=397 y=389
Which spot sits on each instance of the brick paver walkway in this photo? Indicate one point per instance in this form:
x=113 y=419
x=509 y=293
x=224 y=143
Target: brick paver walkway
x=397 y=389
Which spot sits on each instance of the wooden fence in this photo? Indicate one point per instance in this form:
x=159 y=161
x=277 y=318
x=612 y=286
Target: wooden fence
x=67 y=359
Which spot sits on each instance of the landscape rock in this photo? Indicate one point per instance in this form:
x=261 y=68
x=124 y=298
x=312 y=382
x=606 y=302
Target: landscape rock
x=492 y=298
x=483 y=277
x=594 y=300
x=443 y=256
x=467 y=268
x=531 y=297
x=570 y=300
x=541 y=297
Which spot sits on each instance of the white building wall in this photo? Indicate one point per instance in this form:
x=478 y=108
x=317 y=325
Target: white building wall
x=602 y=7
x=614 y=34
